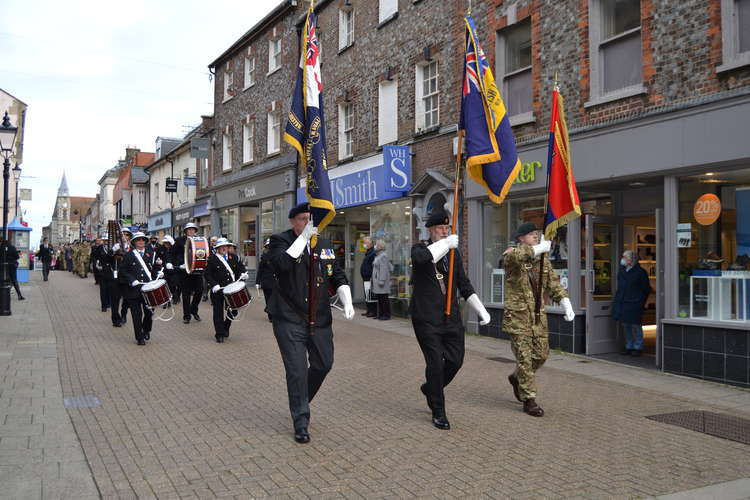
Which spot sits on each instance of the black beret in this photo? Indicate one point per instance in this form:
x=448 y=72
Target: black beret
x=437 y=218
x=524 y=229
x=299 y=209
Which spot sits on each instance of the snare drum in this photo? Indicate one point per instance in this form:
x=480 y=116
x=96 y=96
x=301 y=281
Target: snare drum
x=156 y=293
x=236 y=295
x=196 y=254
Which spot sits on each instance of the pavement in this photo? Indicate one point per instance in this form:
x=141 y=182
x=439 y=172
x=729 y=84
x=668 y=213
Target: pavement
x=185 y=417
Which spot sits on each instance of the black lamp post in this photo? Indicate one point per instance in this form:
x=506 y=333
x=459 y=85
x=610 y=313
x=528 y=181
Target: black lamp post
x=7 y=139
x=16 y=177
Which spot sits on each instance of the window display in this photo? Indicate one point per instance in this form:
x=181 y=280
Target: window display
x=228 y=218
x=391 y=222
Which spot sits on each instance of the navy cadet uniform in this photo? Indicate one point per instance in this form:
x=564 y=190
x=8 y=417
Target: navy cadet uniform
x=217 y=274
x=191 y=284
x=131 y=270
x=288 y=307
x=98 y=261
x=124 y=286
x=110 y=262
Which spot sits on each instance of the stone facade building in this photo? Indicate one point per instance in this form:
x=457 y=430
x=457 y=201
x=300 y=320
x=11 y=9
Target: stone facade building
x=67 y=221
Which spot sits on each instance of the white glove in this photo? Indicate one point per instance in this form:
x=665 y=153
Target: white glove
x=136 y=283
x=158 y=261
x=216 y=288
x=296 y=249
x=440 y=248
x=544 y=246
x=476 y=304
x=115 y=247
x=160 y=275
x=243 y=276
x=257 y=287
x=569 y=314
x=345 y=294
x=170 y=266
x=98 y=265
x=182 y=266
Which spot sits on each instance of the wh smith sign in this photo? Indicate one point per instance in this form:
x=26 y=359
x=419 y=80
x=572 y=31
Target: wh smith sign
x=363 y=184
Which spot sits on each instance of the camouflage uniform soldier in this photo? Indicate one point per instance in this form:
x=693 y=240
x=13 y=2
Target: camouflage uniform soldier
x=76 y=260
x=528 y=331
x=85 y=259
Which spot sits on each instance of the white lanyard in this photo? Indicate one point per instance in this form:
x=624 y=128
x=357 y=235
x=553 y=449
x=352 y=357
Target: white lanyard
x=226 y=264
x=143 y=264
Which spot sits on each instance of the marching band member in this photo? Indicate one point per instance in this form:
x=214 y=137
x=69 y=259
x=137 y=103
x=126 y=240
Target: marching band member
x=165 y=255
x=441 y=339
x=223 y=268
x=190 y=283
x=120 y=249
x=136 y=271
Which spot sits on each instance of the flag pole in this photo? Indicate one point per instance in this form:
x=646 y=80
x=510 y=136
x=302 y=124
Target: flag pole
x=454 y=226
x=538 y=295
x=313 y=241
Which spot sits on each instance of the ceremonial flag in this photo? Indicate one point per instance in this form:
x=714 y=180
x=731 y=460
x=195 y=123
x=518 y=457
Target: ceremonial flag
x=563 y=204
x=305 y=130
x=491 y=158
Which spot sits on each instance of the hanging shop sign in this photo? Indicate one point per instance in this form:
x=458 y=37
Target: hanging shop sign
x=707 y=209
x=171 y=185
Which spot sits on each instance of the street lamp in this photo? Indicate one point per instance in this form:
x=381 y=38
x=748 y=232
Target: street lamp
x=7 y=139
x=17 y=177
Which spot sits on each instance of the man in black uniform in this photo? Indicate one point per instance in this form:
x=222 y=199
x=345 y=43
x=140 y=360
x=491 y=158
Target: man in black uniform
x=97 y=271
x=222 y=269
x=98 y=258
x=365 y=270
x=136 y=271
x=165 y=254
x=264 y=278
x=289 y=257
x=192 y=283
x=441 y=338
x=110 y=262
x=120 y=250
x=45 y=254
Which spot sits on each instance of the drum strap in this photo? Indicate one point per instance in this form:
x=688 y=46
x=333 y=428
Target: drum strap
x=143 y=264
x=226 y=264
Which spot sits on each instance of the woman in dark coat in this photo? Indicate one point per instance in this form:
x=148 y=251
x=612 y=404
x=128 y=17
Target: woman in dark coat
x=633 y=289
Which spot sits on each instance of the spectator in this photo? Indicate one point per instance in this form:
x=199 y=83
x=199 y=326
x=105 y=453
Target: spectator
x=381 y=280
x=633 y=289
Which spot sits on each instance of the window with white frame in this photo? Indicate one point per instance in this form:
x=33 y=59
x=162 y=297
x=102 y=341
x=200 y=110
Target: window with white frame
x=204 y=171
x=226 y=151
x=346 y=130
x=274 y=55
x=346 y=28
x=387 y=112
x=514 y=68
x=249 y=72
x=427 y=96
x=735 y=34
x=615 y=42
x=248 y=142
x=387 y=8
x=228 y=80
x=274 y=132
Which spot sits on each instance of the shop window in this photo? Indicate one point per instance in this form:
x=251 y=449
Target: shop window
x=713 y=240
x=346 y=28
x=346 y=130
x=427 y=97
x=266 y=219
x=228 y=223
x=387 y=112
x=391 y=222
x=735 y=34
x=514 y=69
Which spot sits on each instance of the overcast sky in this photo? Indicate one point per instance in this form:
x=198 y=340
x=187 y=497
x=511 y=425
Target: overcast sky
x=99 y=76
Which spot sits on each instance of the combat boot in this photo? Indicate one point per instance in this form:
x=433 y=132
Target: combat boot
x=533 y=409
x=514 y=382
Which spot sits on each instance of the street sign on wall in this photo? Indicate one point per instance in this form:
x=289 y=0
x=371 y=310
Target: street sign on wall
x=190 y=180
x=171 y=185
x=199 y=148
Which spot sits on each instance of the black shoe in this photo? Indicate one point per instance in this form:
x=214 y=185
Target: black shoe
x=21 y=297
x=116 y=325
x=530 y=407
x=302 y=436
x=196 y=317
x=147 y=336
x=626 y=352
x=423 y=388
x=384 y=318
x=104 y=309
x=141 y=342
x=514 y=382
x=220 y=340
x=186 y=320
x=205 y=298
x=124 y=321
x=440 y=421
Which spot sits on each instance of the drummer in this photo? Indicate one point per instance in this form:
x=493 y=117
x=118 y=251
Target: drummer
x=136 y=271
x=223 y=269
x=191 y=284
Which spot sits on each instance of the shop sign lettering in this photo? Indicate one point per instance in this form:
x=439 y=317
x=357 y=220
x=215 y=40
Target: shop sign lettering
x=397 y=160
x=247 y=192
x=527 y=173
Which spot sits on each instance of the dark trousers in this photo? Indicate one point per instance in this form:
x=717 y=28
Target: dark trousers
x=103 y=292
x=443 y=354
x=97 y=278
x=302 y=381
x=124 y=305
x=192 y=289
x=13 y=270
x=174 y=286
x=221 y=325
x=267 y=292
x=69 y=265
x=141 y=316
x=115 y=295
x=384 y=305
x=45 y=269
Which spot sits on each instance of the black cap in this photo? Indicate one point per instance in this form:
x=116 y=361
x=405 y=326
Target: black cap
x=437 y=218
x=299 y=209
x=524 y=229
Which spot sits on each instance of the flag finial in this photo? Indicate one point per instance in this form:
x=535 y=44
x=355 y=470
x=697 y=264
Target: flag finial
x=556 y=87
x=312 y=5
x=468 y=10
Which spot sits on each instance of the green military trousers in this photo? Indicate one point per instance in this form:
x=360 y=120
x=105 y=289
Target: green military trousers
x=531 y=352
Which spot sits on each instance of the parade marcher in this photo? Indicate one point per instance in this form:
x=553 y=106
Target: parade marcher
x=85 y=259
x=96 y=270
x=137 y=271
x=164 y=253
x=121 y=249
x=441 y=338
x=526 y=325
x=45 y=254
x=99 y=259
x=222 y=269
x=365 y=270
x=153 y=243
x=381 y=280
x=289 y=258
x=633 y=289
x=9 y=254
x=69 y=257
x=264 y=278
x=111 y=261
x=191 y=284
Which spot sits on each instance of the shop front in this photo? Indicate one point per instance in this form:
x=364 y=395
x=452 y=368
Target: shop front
x=682 y=211
x=160 y=224
x=202 y=216
x=371 y=199
x=181 y=216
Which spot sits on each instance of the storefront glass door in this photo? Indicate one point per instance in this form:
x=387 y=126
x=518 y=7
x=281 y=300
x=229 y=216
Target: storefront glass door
x=601 y=242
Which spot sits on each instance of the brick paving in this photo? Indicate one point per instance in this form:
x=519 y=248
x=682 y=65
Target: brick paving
x=185 y=417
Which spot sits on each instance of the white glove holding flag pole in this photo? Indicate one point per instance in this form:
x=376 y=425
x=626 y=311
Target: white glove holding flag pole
x=440 y=248
x=476 y=304
x=216 y=288
x=302 y=240
x=544 y=246
x=345 y=294
x=243 y=277
x=170 y=266
x=569 y=314
x=115 y=247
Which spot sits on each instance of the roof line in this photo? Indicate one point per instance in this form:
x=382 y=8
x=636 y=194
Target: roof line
x=14 y=97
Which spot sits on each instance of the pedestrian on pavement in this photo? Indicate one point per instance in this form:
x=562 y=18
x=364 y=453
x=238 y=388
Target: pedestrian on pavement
x=526 y=324
x=223 y=269
x=136 y=270
x=99 y=258
x=441 y=338
x=381 y=280
x=289 y=257
x=45 y=254
x=633 y=289
x=264 y=278
x=9 y=254
x=190 y=283
x=365 y=270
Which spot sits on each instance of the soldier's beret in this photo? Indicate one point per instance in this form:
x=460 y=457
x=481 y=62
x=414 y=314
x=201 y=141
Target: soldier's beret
x=524 y=229
x=437 y=219
x=299 y=209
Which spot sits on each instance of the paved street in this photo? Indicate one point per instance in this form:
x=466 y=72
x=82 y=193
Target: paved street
x=185 y=417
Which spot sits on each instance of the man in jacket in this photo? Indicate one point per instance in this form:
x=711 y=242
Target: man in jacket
x=633 y=289
x=289 y=257
x=190 y=283
x=45 y=254
x=110 y=260
x=164 y=255
x=441 y=338
x=222 y=269
x=9 y=254
x=365 y=270
x=98 y=259
x=264 y=278
x=136 y=271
